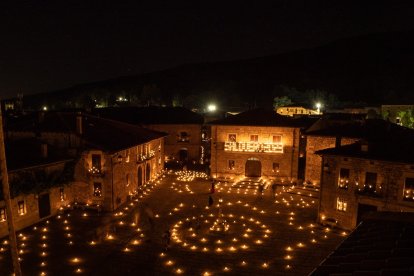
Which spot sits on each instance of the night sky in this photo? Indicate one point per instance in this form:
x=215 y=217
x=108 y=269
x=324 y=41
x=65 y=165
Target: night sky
x=48 y=45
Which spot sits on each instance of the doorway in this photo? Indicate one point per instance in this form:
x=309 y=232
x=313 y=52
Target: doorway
x=44 y=205
x=253 y=168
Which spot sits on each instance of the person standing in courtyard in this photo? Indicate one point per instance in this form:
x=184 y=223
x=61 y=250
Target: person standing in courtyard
x=261 y=190
x=210 y=201
x=274 y=188
x=166 y=237
x=212 y=187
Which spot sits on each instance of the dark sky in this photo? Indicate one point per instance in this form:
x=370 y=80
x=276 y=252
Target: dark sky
x=48 y=45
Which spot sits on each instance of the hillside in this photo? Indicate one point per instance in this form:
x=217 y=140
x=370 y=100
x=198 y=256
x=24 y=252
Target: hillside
x=372 y=68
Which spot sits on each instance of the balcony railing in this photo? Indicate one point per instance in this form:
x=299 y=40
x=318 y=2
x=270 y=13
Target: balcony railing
x=94 y=171
x=254 y=147
x=369 y=190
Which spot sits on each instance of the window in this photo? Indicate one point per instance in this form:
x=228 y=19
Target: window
x=62 y=194
x=21 y=207
x=254 y=138
x=341 y=204
x=184 y=137
x=343 y=178
x=409 y=189
x=2 y=214
x=370 y=182
x=231 y=164
x=232 y=137
x=97 y=189
x=127 y=180
x=275 y=167
x=127 y=156
x=277 y=139
x=96 y=161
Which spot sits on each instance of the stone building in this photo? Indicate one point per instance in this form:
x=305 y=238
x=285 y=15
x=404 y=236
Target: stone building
x=330 y=131
x=375 y=174
x=297 y=110
x=39 y=182
x=184 y=142
x=257 y=143
x=113 y=159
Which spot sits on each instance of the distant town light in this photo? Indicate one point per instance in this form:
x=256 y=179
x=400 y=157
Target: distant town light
x=44 y=108
x=211 y=107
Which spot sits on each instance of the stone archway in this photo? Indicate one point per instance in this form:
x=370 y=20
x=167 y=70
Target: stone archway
x=139 y=177
x=147 y=172
x=183 y=155
x=253 y=168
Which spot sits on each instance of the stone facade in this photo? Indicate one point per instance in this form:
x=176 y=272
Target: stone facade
x=229 y=160
x=117 y=175
x=313 y=161
x=183 y=142
x=58 y=196
x=367 y=185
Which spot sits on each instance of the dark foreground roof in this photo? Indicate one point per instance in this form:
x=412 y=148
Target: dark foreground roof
x=264 y=117
x=392 y=143
x=26 y=153
x=98 y=132
x=382 y=244
x=150 y=115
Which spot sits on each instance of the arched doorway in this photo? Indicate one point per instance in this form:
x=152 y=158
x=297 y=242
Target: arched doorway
x=183 y=155
x=139 y=177
x=147 y=173
x=253 y=168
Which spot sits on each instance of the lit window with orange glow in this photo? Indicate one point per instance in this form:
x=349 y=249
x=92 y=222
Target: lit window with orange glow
x=343 y=178
x=21 y=207
x=409 y=189
x=341 y=204
x=2 y=214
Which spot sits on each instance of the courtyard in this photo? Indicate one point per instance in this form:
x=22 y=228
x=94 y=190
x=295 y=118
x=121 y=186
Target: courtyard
x=240 y=233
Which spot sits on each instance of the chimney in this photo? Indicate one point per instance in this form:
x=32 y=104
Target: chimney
x=43 y=150
x=364 y=147
x=79 y=129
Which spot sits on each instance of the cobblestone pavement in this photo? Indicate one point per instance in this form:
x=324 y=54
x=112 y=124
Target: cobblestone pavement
x=265 y=235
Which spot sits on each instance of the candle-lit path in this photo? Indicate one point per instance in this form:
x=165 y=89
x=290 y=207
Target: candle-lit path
x=266 y=236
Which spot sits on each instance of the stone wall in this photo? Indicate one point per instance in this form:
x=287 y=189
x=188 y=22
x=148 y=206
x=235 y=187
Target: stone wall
x=314 y=161
x=172 y=143
x=388 y=195
x=288 y=160
x=118 y=175
x=31 y=216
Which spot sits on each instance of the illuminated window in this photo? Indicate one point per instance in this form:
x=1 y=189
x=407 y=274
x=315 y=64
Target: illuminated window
x=277 y=139
x=343 y=178
x=2 y=214
x=232 y=137
x=96 y=161
x=183 y=137
x=409 y=189
x=97 y=189
x=341 y=204
x=370 y=182
x=231 y=164
x=254 y=138
x=127 y=156
x=21 y=207
x=275 y=167
x=62 y=194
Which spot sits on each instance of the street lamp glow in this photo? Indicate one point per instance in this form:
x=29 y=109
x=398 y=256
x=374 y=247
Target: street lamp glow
x=211 y=107
x=44 y=108
x=318 y=105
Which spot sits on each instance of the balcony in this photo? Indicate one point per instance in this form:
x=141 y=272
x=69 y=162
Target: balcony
x=369 y=190
x=96 y=172
x=253 y=147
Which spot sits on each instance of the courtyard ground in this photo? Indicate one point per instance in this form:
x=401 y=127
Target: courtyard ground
x=266 y=235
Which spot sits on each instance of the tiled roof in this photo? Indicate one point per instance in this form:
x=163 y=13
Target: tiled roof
x=98 y=132
x=350 y=128
x=26 y=153
x=392 y=143
x=263 y=117
x=380 y=245
x=151 y=115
